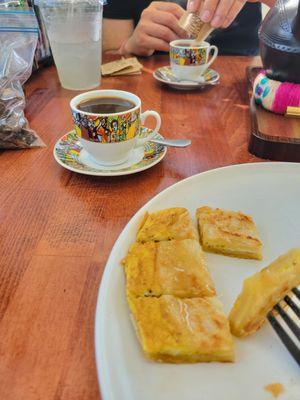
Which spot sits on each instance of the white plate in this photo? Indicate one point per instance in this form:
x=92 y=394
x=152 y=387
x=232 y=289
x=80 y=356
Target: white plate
x=270 y=192
x=166 y=75
x=68 y=153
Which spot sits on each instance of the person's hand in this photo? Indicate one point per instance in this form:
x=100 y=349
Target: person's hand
x=157 y=27
x=220 y=13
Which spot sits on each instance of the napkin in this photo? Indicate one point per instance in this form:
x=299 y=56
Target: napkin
x=124 y=66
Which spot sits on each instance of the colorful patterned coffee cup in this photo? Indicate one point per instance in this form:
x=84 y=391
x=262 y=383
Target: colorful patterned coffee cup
x=190 y=61
x=109 y=138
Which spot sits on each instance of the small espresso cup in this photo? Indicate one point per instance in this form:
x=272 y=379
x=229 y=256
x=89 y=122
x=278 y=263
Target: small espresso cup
x=190 y=61
x=110 y=137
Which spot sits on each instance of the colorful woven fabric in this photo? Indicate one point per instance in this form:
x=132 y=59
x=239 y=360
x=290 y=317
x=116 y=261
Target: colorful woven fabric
x=275 y=96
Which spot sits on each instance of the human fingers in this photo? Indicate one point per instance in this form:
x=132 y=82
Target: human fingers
x=169 y=20
x=131 y=47
x=193 y=5
x=208 y=10
x=221 y=12
x=233 y=12
x=160 y=32
x=159 y=44
x=147 y=44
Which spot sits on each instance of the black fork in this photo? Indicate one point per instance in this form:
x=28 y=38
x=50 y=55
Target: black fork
x=290 y=336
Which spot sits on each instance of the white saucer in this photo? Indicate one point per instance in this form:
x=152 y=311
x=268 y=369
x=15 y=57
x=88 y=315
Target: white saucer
x=68 y=152
x=165 y=75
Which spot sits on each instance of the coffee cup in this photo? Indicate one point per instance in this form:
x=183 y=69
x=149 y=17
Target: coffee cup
x=108 y=124
x=189 y=60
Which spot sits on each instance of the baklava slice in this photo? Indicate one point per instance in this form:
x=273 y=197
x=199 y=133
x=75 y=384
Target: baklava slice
x=175 y=267
x=179 y=330
x=170 y=223
x=228 y=232
x=262 y=291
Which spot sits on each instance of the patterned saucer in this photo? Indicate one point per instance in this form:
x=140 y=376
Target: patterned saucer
x=69 y=153
x=165 y=75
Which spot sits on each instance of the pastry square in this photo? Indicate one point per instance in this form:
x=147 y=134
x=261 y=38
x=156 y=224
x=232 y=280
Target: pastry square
x=175 y=267
x=170 y=223
x=262 y=291
x=178 y=330
x=228 y=232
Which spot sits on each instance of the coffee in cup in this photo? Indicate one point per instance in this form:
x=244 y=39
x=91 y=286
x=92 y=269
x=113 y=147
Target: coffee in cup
x=108 y=124
x=105 y=105
x=190 y=60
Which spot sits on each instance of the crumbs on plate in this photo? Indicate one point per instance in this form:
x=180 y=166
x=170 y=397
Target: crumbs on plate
x=276 y=389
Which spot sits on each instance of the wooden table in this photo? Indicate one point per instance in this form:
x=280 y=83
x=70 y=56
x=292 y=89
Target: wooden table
x=58 y=227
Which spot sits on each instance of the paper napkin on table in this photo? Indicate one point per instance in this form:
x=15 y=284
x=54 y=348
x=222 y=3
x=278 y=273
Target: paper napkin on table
x=124 y=66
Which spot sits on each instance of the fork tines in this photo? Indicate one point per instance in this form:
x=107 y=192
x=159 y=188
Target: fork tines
x=288 y=326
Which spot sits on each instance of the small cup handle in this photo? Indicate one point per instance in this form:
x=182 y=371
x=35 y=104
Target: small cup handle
x=144 y=116
x=213 y=57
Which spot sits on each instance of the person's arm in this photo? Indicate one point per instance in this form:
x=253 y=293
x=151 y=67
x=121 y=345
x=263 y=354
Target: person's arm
x=115 y=33
x=157 y=27
x=220 y=13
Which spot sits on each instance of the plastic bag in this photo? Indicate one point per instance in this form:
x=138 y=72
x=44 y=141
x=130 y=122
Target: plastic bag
x=18 y=39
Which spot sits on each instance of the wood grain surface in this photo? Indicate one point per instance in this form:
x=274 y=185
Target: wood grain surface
x=58 y=227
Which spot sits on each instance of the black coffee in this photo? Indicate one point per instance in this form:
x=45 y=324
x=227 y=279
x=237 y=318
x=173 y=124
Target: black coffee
x=106 y=105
